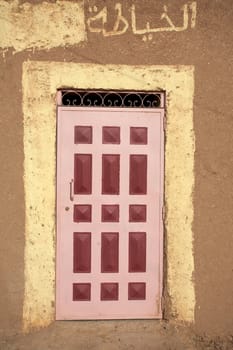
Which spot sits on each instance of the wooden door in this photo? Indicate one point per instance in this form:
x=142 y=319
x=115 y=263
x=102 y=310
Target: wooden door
x=109 y=213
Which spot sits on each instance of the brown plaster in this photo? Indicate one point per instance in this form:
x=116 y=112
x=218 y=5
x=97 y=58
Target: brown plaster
x=209 y=48
x=12 y=197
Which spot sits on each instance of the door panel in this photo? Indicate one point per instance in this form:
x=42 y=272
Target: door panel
x=109 y=213
x=138 y=174
x=82 y=252
x=82 y=173
x=110 y=173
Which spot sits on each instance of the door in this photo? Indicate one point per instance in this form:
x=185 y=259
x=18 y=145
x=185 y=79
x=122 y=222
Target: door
x=109 y=213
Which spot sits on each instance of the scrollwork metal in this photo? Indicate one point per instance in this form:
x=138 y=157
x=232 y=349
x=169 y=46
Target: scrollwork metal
x=133 y=100
x=122 y=99
x=112 y=100
x=152 y=101
x=92 y=99
x=71 y=99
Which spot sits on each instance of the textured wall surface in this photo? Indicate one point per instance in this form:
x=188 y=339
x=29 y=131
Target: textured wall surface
x=42 y=25
x=46 y=45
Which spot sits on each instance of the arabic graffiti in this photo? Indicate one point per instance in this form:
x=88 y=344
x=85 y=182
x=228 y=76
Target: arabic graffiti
x=97 y=22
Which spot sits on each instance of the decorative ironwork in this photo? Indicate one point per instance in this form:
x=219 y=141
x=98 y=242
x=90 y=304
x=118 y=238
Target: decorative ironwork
x=120 y=99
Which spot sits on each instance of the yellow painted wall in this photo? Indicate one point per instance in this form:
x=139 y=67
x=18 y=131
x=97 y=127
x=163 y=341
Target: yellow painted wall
x=41 y=26
x=40 y=81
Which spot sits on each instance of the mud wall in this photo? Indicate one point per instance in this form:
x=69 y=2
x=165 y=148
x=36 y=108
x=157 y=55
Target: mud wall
x=37 y=40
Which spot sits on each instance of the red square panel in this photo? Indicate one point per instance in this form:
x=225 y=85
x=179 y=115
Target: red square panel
x=82 y=213
x=137 y=291
x=81 y=291
x=109 y=291
x=111 y=134
x=83 y=134
x=110 y=213
x=138 y=136
x=137 y=213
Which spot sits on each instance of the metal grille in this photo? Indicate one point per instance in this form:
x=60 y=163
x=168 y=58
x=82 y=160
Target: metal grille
x=124 y=99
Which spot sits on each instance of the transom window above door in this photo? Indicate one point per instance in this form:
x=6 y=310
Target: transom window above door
x=118 y=99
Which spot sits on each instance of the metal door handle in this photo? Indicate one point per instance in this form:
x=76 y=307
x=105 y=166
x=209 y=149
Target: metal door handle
x=72 y=190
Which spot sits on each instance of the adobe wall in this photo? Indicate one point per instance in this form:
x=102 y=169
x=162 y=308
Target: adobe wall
x=39 y=40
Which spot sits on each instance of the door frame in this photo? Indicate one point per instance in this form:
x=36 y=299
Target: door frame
x=40 y=81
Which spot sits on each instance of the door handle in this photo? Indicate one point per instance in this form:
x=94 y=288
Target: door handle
x=72 y=190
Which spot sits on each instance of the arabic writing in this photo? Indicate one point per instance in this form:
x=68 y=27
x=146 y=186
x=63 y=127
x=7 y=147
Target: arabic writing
x=98 y=21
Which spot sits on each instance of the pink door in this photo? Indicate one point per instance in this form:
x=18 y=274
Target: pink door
x=109 y=213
